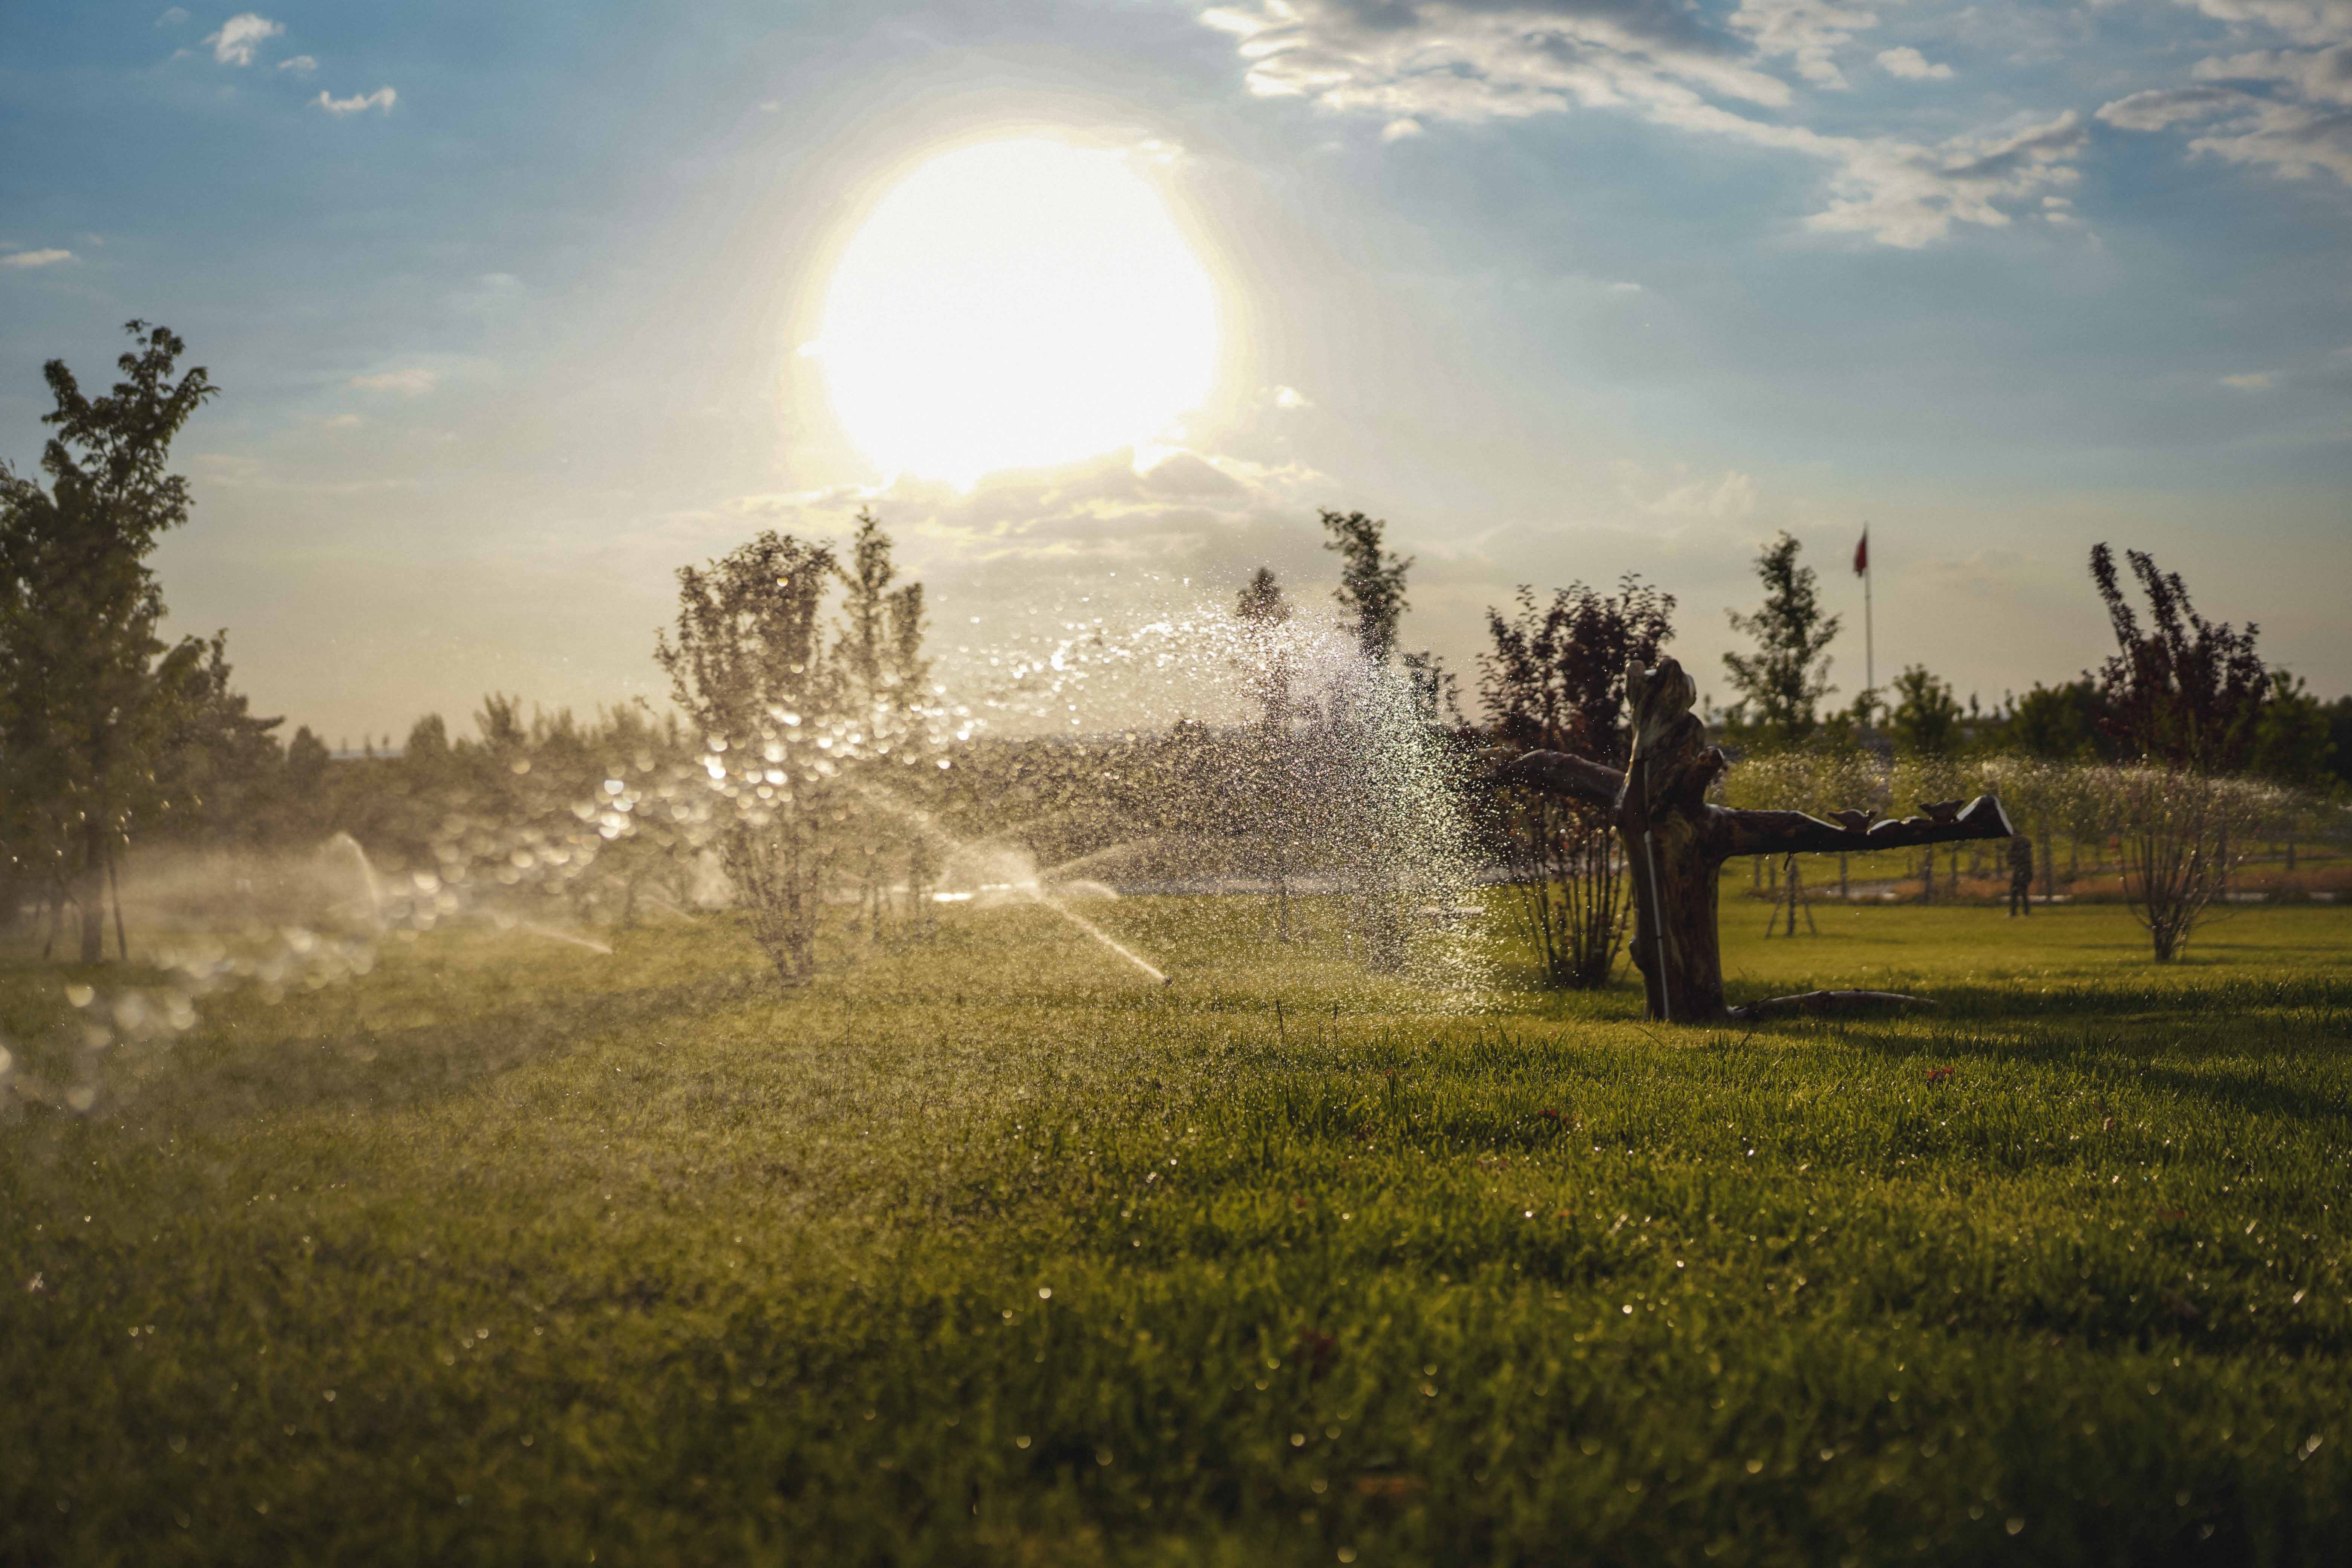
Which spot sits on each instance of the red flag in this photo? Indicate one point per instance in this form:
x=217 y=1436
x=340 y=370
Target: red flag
x=1862 y=555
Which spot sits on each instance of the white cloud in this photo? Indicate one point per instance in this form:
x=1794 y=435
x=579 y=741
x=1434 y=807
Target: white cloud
x=2252 y=381
x=2158 y=107
x=1398 y=129
x=234 y=44
x=36 y=258
x=1727 y=499
x=300 y=65
x=413 y=382
x=2290 y=113
x=2304 y=21
x=382 y=98
x=1291 y=397
x=1912 y=66
x=1423 y=61
x=171 y=18
x=343 y=422
x=1809 y=32
x=2321 y=75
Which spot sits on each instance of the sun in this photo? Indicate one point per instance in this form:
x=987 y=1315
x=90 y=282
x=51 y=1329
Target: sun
x=1012 y=304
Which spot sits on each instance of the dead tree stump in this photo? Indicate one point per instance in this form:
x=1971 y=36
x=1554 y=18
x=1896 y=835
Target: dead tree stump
x=1675 y=844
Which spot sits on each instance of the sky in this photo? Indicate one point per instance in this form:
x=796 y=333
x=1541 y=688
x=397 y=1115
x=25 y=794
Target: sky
x=516 y=310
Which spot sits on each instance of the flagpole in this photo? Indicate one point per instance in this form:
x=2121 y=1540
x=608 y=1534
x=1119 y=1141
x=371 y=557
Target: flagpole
x=1869 y=636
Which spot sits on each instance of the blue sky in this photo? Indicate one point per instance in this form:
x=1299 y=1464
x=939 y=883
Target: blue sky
x=506 y=304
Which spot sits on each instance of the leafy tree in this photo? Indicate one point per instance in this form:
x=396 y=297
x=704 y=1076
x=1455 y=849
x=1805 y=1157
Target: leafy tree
x=2185 y=692
x=1269 y=779
x=2292 y=743
x=1927 y=717
x=880 y=648
x=1372 y=582
x=1788 y=672
x=2340 y=738
x=90 y=690
x=748 y=669
x=217 y=772
x=1263 y=609
x=2057 y=723
x=1555 y=681
x=879 y=656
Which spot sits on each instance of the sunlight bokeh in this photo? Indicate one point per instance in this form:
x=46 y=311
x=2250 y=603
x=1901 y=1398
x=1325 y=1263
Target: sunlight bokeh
x=1015 y=303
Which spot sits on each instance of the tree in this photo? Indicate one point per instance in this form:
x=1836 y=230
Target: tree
x=748 y=669
x=1927 y=717
x=89 y=687
x=2292 y=745
x=2186 y=692
x=1675 y=842
x=2185 y=698
x=879 y=655
x=1555 y=681
x=2056 y=723
x=1372 y=582
x=1270 y=782
x=1788 y=672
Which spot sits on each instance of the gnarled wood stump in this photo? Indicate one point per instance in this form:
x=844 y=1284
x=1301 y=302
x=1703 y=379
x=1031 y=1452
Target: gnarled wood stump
x=1675 y=845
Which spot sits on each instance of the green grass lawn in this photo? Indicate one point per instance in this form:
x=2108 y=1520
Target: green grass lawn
x=988 y=1252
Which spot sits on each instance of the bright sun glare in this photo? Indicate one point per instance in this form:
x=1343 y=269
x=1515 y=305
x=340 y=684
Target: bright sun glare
x=1012 y=304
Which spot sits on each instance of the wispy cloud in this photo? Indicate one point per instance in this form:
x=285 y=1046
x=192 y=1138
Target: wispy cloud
x=2286 y=109
x=1809 y=32
x=1912 y=66
x=171 y=18
x=300 y=65
x=1290 y=397
x=382 y=98
x=2252 y=381
x=413 y=382
x=36 y=258
x=234 y=44
x=1428 y=63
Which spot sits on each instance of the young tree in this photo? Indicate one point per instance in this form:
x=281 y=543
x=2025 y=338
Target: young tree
x=1788 y=672
x=748 y=669
x=1270 y=782
x=89 y=686
x=1372 y=582
x=2185 y=698
x=2185 y=692
x=1555 y=681
x=1927 y=717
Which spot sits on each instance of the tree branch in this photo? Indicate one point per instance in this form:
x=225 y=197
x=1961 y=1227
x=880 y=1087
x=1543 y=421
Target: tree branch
x=1794 y=833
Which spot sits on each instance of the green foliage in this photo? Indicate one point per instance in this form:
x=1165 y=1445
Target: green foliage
x=2181 y=691
x=2056 y=723
x=1927 y=717
x=988 y=1255
x=1372 y=582
x=92 y=702
x=2291 y=741
x=1783 y=681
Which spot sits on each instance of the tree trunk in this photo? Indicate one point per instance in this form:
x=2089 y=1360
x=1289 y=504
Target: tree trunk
x=1677 y=843
x=92 y=895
